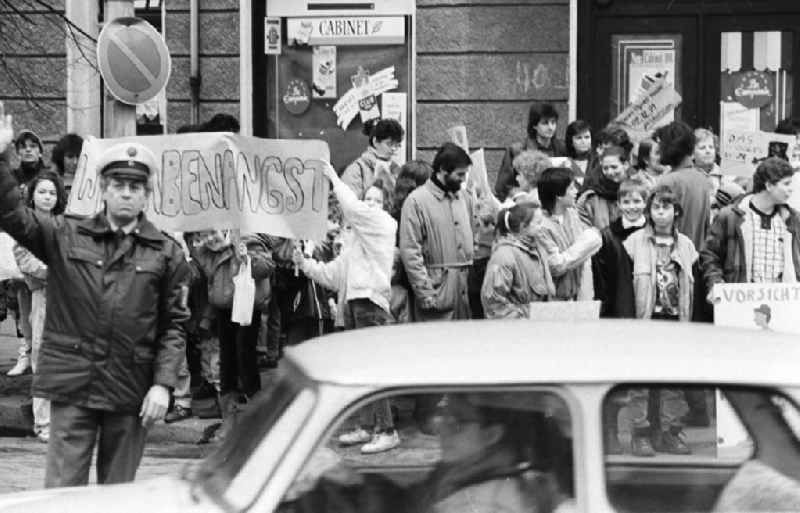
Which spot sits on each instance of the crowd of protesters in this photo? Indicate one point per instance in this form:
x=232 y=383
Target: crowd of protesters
x=646 y=228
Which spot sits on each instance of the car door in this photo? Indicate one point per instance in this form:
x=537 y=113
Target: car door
x=727 y=448
x=480 y=447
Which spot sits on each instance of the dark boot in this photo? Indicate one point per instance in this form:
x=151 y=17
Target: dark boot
x=640 y=443
x=671 y=441
x=229 y=405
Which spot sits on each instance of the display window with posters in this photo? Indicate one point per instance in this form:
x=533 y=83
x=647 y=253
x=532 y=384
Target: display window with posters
x=332 y=68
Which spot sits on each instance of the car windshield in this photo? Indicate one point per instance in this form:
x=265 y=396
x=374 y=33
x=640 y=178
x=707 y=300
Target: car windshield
x=218 y=471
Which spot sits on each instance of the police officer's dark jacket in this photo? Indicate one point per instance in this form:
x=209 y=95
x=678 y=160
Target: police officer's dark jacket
x=115 y=318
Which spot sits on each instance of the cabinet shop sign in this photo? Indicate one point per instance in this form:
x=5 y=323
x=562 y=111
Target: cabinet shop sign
x=222 y=180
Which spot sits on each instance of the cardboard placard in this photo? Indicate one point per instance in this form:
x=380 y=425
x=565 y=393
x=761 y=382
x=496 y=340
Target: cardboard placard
x=222 y=180
x=652 y=107
x=741 y=148
x=565 y=311
x=758 y=306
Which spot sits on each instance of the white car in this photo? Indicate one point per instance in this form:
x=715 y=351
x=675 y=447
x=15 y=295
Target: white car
x=525 y=416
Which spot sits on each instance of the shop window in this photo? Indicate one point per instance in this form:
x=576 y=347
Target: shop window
x=678 y=448
x=638 y=61
x=491 y=451
x=756 y=86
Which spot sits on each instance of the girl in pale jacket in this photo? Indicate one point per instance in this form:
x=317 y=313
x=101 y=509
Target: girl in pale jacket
x=46 y=195
x=662 y=261
x=517 y=274
x=361 y=275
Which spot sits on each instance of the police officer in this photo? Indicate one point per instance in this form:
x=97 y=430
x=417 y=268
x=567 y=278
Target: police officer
x=113 y=335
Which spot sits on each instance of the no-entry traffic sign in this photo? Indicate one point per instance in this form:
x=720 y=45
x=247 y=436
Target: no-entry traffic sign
x=133 y=59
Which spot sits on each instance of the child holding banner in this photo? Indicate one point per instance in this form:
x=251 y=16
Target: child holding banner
x=218 y=259
x=361 y=275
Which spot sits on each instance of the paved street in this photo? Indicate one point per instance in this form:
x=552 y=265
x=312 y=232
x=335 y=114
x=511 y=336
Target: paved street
x=22 y=458
x=22 y=462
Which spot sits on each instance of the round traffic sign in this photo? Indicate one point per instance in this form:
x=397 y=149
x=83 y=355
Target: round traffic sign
x=133 y=59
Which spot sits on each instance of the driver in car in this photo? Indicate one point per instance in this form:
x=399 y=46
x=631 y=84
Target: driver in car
x=498 y=455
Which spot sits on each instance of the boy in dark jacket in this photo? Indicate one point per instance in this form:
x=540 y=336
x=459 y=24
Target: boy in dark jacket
x=611 y=266
x=612 y=270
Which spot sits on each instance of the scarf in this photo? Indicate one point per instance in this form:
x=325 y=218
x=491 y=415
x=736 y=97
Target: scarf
x=606 y=188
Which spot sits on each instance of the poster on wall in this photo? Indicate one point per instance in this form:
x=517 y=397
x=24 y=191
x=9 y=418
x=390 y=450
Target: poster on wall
x=323 y=64
x=644 y=69
x=639 y=60
x=272 y=36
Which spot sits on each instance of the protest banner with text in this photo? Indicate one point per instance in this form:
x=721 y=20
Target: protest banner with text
x=757 y=306
x=742 y=149
x=221 y=180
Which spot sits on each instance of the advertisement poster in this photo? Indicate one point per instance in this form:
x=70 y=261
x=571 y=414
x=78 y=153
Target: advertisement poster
x=394 y=107
x=221 y=180
x=643 y=70
x=272 y=36
x=323 y=63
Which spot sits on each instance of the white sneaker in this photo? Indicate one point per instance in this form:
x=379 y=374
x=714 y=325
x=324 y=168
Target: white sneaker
x=381 y=442
x=23 y=366
x=43 y=436
x=357 y=436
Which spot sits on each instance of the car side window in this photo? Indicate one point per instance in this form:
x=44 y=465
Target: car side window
x=444 y=452
x=680 y=448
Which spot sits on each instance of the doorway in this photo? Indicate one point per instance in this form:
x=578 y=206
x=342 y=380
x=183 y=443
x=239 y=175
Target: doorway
x=711 y=50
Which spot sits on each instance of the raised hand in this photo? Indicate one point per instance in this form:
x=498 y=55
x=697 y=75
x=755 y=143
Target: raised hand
x=6 y=129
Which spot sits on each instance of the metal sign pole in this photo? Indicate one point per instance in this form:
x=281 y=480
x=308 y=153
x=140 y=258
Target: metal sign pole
x=119 y=118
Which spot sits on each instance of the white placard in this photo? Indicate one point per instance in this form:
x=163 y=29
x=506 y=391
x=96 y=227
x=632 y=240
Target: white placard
x=758 y=306
x=565 y=311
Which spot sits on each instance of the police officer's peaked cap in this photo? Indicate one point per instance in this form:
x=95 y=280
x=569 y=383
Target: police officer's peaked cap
x=127 y=160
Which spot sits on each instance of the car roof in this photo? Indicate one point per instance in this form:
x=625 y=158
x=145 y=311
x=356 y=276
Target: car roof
x=519 y=352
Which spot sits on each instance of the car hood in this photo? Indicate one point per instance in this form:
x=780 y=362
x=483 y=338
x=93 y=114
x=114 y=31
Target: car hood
x=161 y=494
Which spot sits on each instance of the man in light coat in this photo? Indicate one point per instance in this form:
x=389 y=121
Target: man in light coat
x=436 y=241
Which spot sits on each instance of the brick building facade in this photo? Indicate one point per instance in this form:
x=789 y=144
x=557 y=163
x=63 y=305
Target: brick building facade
x=479 y=63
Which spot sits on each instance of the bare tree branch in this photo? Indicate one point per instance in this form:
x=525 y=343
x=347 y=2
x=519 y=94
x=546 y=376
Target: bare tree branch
x=70 y=25
x=21 y=78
